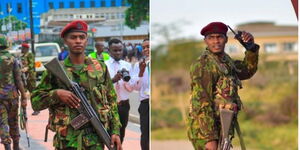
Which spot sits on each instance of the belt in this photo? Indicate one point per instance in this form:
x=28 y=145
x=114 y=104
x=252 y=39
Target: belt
x=123 y=102
x=145 y=100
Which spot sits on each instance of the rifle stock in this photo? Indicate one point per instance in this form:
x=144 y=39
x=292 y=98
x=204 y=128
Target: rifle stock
x=226 y=117
x=57 y=70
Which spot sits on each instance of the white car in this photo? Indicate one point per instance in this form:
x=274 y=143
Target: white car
x=44 y=52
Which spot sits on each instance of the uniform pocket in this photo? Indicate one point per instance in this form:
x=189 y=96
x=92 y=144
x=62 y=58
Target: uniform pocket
x=60 y=121
x=104 y=113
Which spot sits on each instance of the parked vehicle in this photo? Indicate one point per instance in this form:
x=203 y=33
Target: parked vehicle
x=44 y=52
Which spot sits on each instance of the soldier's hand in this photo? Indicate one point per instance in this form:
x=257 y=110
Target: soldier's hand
x=115 y=139
x=247 y=37
x=211 y=145
x=68 y=98
x=24 y=103
x=25 y=69
x=142 y=67
x=117 y=77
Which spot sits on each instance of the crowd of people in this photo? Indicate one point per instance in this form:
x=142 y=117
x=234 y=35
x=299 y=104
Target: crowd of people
x=107 y=76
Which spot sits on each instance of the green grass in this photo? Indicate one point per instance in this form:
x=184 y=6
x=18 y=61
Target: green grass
x=256 y=136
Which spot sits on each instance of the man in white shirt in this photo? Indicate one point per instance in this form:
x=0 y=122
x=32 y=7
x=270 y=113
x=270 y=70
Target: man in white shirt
x=142 y=84
x=114 y=65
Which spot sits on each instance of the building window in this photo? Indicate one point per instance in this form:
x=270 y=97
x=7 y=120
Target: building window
x=19 y=8
x=103 y=3
x=81 y=4
x=113 y=3
x=231 y=49
x=92 y=3
x=290 y=47
x=270 y=48
x=61 y=5
x=8 y=7
x=51 y=6
x=72 y=4
x=123 y=3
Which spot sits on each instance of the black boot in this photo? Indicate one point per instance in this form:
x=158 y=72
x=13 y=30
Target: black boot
x=16 y=146
x=7 y=146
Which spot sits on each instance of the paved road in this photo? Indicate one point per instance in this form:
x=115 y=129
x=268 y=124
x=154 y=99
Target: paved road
x=37 y=124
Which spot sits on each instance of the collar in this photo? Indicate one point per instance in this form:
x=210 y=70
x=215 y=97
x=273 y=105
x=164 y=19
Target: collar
x=87 y=62
x=222 y=58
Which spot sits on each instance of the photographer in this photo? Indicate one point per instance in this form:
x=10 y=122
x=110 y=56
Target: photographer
x=118 y=70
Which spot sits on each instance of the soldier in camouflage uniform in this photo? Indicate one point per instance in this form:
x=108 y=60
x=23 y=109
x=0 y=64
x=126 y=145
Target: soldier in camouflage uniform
x=10 y=84
x=215 y=82
x=93 y=76
x=28 y=69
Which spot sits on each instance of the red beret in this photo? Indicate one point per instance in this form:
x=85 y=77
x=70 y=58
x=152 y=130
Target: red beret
x=214 y=27
x=25 y=45
x=74 y=26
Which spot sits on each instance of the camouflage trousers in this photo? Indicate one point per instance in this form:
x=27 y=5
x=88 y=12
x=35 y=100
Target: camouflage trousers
x=9 y=120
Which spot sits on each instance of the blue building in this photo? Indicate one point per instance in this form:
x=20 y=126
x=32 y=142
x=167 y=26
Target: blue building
x=20 y=8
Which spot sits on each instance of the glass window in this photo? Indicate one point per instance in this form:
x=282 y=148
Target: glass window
x=123 y=3
x=81 y=4
x=270 y=48
x=8 y=7
x=51 y=6
x=113 y=3
x=72 y=4
x=290 y=47
x=42 y=51
x=231 y=49
x=103 y=3
x=61 y=5
x=92 y=3
x=19 y=9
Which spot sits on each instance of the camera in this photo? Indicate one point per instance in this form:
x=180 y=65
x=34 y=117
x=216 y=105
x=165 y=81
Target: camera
x=125 y=74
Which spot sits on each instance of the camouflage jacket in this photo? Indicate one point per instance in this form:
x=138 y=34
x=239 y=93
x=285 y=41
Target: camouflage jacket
x=28 y=61
x=8 y=88
x=215 y=82
x=95 y=79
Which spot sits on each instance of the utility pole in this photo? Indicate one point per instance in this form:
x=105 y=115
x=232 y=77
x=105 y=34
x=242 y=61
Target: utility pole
x=31 y=27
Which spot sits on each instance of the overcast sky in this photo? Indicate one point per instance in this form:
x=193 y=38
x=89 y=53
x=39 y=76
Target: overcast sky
x=195 y=14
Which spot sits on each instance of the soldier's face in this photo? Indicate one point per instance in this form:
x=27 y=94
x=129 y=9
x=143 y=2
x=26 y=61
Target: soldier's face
x=24 y=49
x=116 y=51
x=76 y=42
x=146 y=48
x=216 y=42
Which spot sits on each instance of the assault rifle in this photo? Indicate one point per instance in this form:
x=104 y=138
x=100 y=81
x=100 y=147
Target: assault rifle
x=23 y=123
x=238 y=36
x=87 y=113
x=227 y=119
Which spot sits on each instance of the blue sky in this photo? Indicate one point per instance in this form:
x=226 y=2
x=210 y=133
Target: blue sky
x=194 y=14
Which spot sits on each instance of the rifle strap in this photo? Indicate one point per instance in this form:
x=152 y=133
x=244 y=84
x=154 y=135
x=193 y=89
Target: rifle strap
x=239 y=133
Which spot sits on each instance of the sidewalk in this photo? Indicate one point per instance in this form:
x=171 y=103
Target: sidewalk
x=36 y=129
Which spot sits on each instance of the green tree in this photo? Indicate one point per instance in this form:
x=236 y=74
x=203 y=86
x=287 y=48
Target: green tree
x=16 y=23
x=136 y=13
